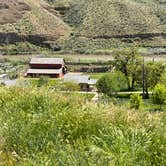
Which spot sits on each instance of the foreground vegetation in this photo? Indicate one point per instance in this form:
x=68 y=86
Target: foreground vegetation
x=41 y=127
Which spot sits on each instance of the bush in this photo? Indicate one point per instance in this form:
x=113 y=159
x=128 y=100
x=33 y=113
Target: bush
x=163 y=79
x=20 y=47
x=13 y=75
x=111 y=83
x=159 y=95
x=135 y=101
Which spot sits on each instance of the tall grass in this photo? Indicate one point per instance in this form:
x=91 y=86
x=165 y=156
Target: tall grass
x=41 y=127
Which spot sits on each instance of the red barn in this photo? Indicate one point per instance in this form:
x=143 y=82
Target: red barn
x=52 y=67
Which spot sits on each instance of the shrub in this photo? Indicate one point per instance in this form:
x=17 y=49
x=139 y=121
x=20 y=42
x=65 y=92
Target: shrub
x=163 y=79
x=135 y=101
x=159 y=95
x=111 y=83
x=13 y=75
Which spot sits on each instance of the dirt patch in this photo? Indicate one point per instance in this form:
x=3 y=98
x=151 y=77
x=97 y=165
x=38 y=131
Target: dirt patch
x=12 y=10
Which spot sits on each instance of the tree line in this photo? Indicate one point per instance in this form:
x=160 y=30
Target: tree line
x=130 y=72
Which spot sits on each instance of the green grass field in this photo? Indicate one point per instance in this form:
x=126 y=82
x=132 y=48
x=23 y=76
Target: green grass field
x=146 y=106
x=41 y=127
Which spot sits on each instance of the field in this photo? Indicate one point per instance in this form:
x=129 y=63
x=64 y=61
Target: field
x=146 y=106
x=41 y=127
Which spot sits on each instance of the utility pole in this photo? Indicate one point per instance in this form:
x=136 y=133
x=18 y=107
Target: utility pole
x=143 y=78
x=144 y=81
x=146 y=86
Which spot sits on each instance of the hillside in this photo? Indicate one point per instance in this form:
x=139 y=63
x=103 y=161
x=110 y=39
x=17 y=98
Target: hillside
x=31 y=17
x=88 y=25
x=121 y=22
x=105 y=17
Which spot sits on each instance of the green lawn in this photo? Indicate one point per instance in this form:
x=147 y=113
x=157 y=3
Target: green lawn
x=146 y=106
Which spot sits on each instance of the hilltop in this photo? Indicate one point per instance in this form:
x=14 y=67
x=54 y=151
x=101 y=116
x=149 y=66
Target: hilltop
x=83 y=25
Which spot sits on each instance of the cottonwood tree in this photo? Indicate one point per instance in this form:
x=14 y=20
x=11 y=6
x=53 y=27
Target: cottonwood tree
x=128 y=61
x=163 y=79
x=111 y=83
x=153 y=73
x=159 y=95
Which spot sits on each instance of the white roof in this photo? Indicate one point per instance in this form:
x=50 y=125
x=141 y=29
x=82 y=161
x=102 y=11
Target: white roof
x=76 y=78
x=47 y=61
x=92 y=82
x=79 y=79
x=44 y=71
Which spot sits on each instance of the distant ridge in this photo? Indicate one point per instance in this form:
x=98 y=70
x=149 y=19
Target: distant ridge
x=84 y=25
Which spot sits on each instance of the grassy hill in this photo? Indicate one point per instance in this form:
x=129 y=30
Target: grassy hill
x=105 y=17
x=37 y=20
x=104 y=24
x=88 y=25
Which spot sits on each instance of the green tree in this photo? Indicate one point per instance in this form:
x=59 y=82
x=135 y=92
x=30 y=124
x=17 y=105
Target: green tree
x=149 y=74
x=159 y=95
x=153 y=73
x=135 y=101
x=111 y=83
x=163 y=79
x=128 y=62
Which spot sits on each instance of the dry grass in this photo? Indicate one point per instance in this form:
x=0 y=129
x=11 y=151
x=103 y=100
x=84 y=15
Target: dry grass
x=103 y=17
x=37 y=21
x=12 y=10
x=85 y=20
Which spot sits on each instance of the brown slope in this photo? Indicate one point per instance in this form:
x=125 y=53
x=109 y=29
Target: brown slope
x=25 y=19
x=12 y=10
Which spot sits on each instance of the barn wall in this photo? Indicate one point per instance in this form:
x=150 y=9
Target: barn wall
x=45 y=66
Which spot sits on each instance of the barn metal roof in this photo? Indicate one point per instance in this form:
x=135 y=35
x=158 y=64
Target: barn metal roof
x=47 y=61
x=76 y=78
x=44 y=71
x=92 y=82
x=80 y=79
